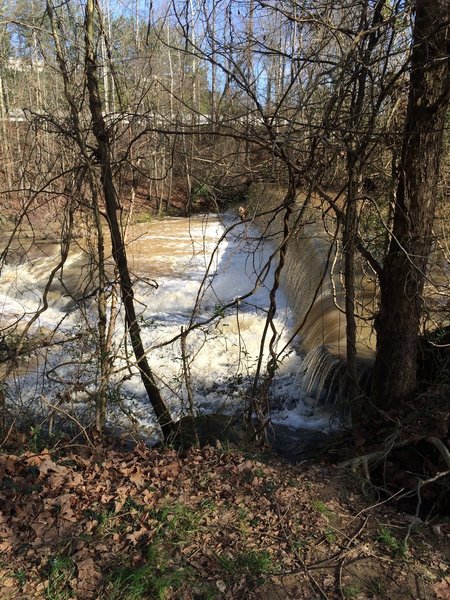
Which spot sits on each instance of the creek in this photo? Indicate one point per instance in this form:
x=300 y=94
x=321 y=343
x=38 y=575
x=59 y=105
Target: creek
x=177 y=264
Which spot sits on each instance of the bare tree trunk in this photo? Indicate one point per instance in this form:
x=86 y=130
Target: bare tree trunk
x=104 y=349
x=213 y=67
x=6 y=154
x=118 y=245
x=356 y=155
x=249 y=74
x=404 y=272
x=105 y=77
x=349 y=246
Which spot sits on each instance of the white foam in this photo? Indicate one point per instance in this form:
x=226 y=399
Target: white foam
x=222 y=355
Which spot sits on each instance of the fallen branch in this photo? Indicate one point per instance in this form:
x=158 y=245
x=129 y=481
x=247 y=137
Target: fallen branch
x=420 y=485
x=365 y=459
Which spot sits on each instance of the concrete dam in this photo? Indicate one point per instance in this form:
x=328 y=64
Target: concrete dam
x=312 y=279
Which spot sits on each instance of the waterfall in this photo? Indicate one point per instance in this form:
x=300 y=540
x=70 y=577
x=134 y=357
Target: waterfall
x=168 y=259
x=312 y=281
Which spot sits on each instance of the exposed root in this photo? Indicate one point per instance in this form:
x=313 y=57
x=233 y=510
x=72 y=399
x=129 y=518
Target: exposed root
x=443 y=450
x=365 y=460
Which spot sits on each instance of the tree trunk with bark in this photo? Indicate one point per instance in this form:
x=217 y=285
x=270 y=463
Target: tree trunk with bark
x=118 y=245
x=404 y=272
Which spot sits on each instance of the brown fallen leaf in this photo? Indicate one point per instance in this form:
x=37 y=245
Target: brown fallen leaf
x=135 y=536
x=45 y=464
x=247 y=465
x=170 y=470
x=122 y=493
x=138 y=478
x=89 y=576
x=8 y=464
x=442 y=589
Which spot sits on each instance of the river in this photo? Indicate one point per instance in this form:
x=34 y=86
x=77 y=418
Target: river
x=169 y=260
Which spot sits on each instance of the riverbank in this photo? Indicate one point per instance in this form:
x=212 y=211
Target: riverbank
x=88 y=521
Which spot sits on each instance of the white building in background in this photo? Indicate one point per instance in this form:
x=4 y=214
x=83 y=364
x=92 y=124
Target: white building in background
x=21 y=65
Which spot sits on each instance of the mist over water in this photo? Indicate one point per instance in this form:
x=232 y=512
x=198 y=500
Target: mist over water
x=169 y=260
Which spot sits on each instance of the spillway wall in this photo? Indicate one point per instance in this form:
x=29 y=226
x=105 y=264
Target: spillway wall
x=313 y=283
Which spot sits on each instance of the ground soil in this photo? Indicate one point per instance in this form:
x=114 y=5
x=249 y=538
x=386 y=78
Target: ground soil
x=94 y=521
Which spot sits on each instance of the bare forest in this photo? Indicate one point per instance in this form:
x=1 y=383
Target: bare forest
x=114 y=112
x=223 y=220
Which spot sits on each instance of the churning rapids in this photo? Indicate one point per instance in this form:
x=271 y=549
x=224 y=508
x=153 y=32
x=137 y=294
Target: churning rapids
x=168 y=260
